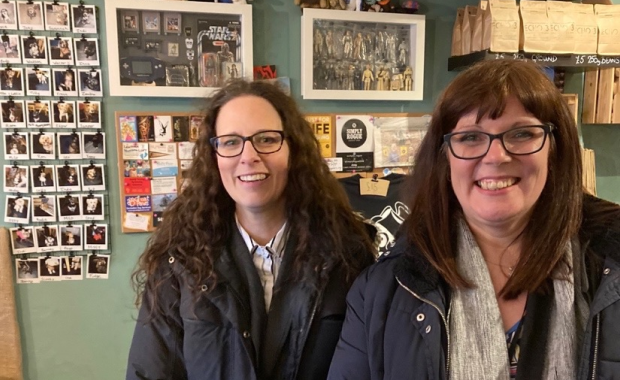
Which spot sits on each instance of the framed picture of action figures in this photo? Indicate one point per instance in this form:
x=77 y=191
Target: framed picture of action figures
x=362 y=55
x=176 y=49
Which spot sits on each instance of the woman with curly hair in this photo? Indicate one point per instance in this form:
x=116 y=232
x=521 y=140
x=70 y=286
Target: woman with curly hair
x=247 y=275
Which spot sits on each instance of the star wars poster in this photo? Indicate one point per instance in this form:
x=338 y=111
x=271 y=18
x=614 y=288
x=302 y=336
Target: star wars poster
x=219 y=42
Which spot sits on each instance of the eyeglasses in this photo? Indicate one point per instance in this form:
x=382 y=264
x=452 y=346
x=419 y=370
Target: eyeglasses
x=264 y=142
x=520 y=141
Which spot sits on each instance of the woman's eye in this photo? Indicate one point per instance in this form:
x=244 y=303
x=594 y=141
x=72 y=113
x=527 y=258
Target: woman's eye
x=469 y=137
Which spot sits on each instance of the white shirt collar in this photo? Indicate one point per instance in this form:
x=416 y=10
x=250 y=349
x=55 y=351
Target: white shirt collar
x=276 y=244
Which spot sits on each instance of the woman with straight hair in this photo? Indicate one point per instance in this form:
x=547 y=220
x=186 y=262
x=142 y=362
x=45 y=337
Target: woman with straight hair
x=505 y=268
x=247 y=275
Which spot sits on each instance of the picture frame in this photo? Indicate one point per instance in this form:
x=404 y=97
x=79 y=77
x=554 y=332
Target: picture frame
x=71 y=238
x=63 y=114
x=69 y=145
x=68 y=177
x=69 y=207
x=16 y=146
x=151 y=22
x=17 y=209
x=86 y=51
x=42 y=147
x=12 y=81
x=10 y=49
x=93 y=145
x=65 y=82
x=8 y=15
x=34 y=50
x=39 y=81
x=43 y=178
x=362 y=55
x=93 y=177
x=60 y=50
x=96 y=237
x=89 y=114
x=13 y=114
x=47 y=238
x=138 y=66
x=43 y=208
x=90 y=83
x=30 y=15
x=15 y=179
x=38 y=113
x=83 y=19
x=22 y=240
x=93 y=206
x=57 y=16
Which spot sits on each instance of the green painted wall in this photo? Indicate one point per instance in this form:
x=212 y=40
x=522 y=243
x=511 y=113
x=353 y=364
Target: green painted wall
x=82 y=330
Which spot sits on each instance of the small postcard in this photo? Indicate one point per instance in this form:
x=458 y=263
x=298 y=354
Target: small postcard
x=164 y=185
x=135 y=151
x=129 y=129
x=137 y=185
x=186 y=149
x=137 y=203
x=163 y=150
x=164 y=168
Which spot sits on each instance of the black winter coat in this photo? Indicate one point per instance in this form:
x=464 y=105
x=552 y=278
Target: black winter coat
x=395 y=327
x=229 y=336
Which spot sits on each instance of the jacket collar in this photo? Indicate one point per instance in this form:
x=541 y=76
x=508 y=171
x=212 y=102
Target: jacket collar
x=412 y=268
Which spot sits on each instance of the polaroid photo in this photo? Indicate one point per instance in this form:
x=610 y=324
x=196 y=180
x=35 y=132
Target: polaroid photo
x=57 y=16
x=63 y=114
x=8 y=15
x=43 y=208
x=60 y=50
x=38 y=114
x=71 y=237
x=129 y=21
x=22 y=240
x=163 y=128
x=151 y=22
x=49 y=267
x=89 y=114
x=98 y=266
x=11 y=81
x=34 y=50
x=93 y=145
x=65 y=82
x=90 y=83
x=16 y=146
x=42 y=146
x=69 y=207
x=86 y=52
x=47 y=238
x=69 y=145
x=30 y=15
x=172 y=23
x=93 y=207
x=162 y=201
x=27 y=271
x=43 y=178
x=92 y=177
x=15 y=179
x=84 y=20
x=71 y=268
x=10 y=51
x=13 y=114
x=17 y=209
x=39 y=81
x=68 y=177
x=96 y=237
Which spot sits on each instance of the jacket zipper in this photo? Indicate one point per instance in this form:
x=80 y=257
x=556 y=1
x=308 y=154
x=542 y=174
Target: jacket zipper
x=308 y=327
x=595 y=358
x=443 y=318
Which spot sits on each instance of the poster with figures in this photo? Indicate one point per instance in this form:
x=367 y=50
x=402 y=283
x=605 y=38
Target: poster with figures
x=397 y=139
x=355 y=142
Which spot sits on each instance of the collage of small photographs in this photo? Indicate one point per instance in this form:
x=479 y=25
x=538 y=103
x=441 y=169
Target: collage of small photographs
x=154 y=152
x=54 y=141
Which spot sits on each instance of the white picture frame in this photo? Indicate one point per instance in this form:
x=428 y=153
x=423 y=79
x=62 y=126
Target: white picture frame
x=90 y=83
x=10 y=49
x=84 y=18
x=8 y=15
x=12 y=81
x=65 y=82
x=30 y=15
x=86 y=51
x=63 y=114
x=13 y=114
x=57 y=16
x=61 y=51
x=116 y=9
x=39 y=81
x=344 y=54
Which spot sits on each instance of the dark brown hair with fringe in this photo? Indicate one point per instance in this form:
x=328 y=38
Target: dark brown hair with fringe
x=199 y=223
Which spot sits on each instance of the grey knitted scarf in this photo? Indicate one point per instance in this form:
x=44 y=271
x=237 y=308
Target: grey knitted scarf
x=478 y=341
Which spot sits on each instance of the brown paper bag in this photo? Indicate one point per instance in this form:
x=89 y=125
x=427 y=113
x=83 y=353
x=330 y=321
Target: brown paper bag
x=586 y=28
x=561 y=27
x=607 y=17
x=478 y=32
x=469 y=18
x=457 y=36
x=535 y=26
x=505 y=26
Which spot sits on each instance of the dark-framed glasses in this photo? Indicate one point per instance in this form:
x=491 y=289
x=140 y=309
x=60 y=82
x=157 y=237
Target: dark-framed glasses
x=520 y=141
x=264 y=142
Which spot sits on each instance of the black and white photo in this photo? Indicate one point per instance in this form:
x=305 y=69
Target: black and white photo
x=63 y=114
x=93 y=207
x=93 y=145
x=13 y=114
x=10 y=51
x=34 y=50
x=15 y=179
x=86 y=52
x=47 y=238
x=96 y=236
x=98 y=266
x=84 y=20
x=42 y=145
x=38 y=113
x=92 y=177
x=30 y=15
x=22 y=240
x=90 y=83
x=39 y=81
x=68 y=177
x=57 y=16
x=71 y=237
x=69 y=207
x=71 y=267
x=69 y=145
x=89 y=114
x=8 y=15
x=17 y=209
x=65 y=82
x=43 y=208
x=11 y=81
x=27 y=271
x=43 y=178
x=16 y=146
x=60 y=50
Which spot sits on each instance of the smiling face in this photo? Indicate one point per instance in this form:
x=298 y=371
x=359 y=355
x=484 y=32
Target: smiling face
x=253 y=180
x=517 y=181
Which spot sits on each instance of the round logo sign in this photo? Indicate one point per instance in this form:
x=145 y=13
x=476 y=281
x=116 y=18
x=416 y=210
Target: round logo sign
x=354 y=133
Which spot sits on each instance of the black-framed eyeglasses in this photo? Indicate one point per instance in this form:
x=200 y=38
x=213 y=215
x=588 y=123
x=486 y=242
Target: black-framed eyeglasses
x=524 y=140
x=264 y=142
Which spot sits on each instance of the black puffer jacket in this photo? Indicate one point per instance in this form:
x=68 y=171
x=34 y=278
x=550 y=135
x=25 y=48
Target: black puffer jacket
x=228 y=335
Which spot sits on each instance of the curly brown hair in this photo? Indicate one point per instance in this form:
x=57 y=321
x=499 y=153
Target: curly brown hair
x=199 y=223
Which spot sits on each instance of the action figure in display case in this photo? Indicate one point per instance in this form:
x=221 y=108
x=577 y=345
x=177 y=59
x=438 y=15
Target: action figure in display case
x=368 y=77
